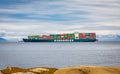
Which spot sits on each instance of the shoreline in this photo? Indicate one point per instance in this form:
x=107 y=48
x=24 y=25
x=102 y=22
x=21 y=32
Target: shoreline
x=66 y=70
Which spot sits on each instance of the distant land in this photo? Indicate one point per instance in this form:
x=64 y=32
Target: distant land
x=3 y=40
x=109 y=37
x=8 y=40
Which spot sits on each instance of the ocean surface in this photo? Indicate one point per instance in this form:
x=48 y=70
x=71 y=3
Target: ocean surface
x=59 y=55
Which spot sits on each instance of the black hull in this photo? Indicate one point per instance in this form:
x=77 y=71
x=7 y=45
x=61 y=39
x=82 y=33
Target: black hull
x=52 y=40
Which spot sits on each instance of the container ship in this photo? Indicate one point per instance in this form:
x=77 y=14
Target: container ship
x=68 y=37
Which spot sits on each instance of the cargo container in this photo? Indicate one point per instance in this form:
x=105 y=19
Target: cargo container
x=82 y=35
x=70 y=37
x=92 y=35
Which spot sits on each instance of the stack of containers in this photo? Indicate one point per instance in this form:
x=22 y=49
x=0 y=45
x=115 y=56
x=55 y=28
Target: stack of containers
x=88 y=35
x=62 y=36
x=65 y=36
x=43 y=36
x=93 y=35
x=70 y=36
x=36 y=36
x=73 y=36
x=52 y=36
x=31 y=37
x=47 y=36
x=82 y=35
x=58 y=36
x=40 y=36
x=55 y=36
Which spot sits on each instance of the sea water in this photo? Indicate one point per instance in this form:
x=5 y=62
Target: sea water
x=59 y=55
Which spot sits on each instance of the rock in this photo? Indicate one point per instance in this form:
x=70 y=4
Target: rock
x=9 y=70
x=39 y=70
x=43 y=70
x=89 y=70
x=1 y=72
x=23 y=73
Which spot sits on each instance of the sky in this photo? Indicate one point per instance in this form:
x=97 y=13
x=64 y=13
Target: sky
x=19 y=18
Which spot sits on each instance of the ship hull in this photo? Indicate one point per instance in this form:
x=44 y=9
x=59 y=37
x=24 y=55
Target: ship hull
x=53 y=40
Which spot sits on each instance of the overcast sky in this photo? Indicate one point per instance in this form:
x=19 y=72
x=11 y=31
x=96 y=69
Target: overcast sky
x=20 y=18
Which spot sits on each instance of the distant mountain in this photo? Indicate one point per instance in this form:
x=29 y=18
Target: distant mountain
x=3 y=40
x=12 y=40
x=109 y=37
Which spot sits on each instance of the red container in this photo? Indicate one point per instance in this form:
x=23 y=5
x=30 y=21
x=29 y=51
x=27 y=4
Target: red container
x=69 y=37
x=93 y=35
x=44 y=36
x=47 y=37
x=82 y=35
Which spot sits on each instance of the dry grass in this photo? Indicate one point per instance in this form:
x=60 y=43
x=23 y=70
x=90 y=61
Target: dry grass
x=89 y=70
x=69 y=70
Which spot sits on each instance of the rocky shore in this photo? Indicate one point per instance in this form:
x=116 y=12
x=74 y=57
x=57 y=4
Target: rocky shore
x=68 y=70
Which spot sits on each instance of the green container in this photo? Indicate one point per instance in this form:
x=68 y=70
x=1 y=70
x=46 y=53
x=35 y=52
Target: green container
x=65 y=36
x=87 y=34
x=58 y=37
x=73 y=36
x=55 y=36
x=36 y=37
x=69 y=34
x=52 y=37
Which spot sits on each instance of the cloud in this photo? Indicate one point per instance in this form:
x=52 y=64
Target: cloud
x=26 y=17
x=75 y=10
x=2 y=33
